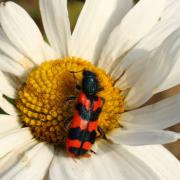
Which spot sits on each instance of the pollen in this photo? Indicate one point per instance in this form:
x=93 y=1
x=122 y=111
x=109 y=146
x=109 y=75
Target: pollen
x=44 y=104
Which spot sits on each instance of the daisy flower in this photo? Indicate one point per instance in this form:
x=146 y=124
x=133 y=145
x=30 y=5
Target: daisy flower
x=135 y=53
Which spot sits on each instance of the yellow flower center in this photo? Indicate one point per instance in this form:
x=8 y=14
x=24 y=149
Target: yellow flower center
x=43 y=100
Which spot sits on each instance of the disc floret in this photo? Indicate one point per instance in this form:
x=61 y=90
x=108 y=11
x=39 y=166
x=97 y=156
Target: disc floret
x=43 y=105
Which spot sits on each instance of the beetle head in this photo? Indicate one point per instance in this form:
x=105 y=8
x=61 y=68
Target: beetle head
x=89 y=83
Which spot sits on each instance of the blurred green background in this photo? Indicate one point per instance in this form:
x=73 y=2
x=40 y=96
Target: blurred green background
x=31 y=6
x=74 y=7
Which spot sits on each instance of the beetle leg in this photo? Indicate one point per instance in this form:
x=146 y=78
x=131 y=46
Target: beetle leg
x=100 y=89
x=78 y=87
x=103 y=101
x=67 y=122
x=101 y=132
x=92 y=151
x=103 y=135
x=71 y=98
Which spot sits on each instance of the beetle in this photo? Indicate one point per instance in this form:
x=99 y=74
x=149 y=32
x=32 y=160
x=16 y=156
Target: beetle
x=82 y=133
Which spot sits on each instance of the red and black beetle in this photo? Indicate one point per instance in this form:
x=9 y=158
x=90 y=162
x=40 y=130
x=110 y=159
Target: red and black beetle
x=82 y=133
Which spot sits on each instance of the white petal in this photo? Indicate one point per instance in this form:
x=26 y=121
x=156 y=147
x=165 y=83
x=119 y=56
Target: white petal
x=133 y=73
x=15 y=81
x=8 y=49
x=156 y=71
x=156 y=116
x=172 y=80
x=142 y=137
x=6 y=106
x=118 y=163
x=22 y=31
x=8 y=65
x=96 y=21
x=49 y=53
x=163 y=163
x=8 y=122
x=168 y=23
x=135 y=25
x=32 y=164
x=8 y=161
x=6 y=87
x=12 y=139
x=37 y=167
x=139 y=54
x=108 y=163
x=56 y=23
x=64 y=167
x=171 y=10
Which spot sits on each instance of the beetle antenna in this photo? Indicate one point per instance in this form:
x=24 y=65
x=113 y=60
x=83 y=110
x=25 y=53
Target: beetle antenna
x=76 y=71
